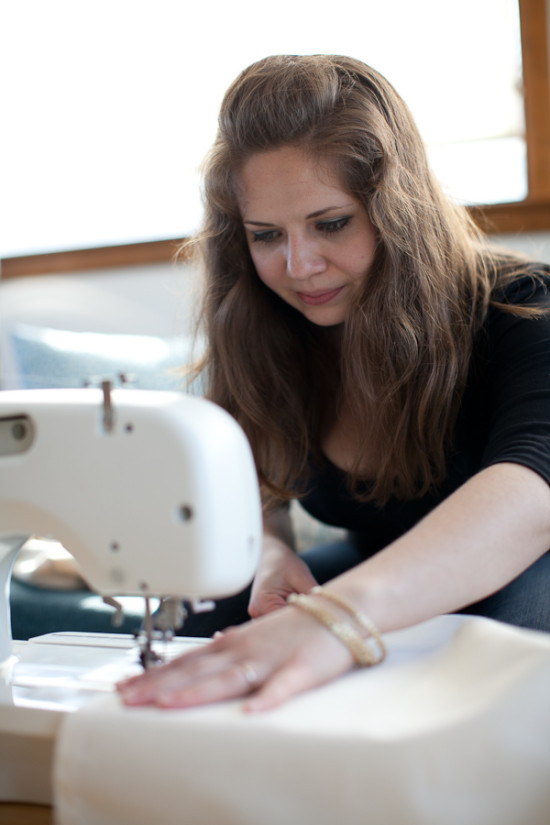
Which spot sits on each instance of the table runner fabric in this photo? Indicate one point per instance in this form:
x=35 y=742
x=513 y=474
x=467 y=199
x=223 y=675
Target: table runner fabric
x=454 y=728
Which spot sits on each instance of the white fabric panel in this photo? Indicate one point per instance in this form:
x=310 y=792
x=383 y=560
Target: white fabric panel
x=453 y=728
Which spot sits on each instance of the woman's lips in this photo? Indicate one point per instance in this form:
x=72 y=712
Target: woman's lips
x=321 y=297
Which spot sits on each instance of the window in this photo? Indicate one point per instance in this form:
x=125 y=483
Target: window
x=111 y=105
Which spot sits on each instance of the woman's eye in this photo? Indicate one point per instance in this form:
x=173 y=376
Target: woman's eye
x=336 y=225
x=265 y=236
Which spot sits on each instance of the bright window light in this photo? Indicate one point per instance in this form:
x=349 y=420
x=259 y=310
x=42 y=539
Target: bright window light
x=107 y=107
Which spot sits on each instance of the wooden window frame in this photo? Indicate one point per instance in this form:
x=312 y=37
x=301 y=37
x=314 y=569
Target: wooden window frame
x=533 y=213
x=529 y=215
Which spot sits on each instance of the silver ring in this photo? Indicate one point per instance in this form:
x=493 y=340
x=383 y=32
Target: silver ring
x=249 y=672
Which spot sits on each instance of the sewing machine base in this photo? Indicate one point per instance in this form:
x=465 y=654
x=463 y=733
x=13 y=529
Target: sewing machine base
x=51 y=676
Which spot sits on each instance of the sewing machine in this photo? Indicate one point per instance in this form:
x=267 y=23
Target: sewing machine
x=155 y=495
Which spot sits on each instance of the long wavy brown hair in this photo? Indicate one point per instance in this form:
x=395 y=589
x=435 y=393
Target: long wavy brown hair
x=401 y=364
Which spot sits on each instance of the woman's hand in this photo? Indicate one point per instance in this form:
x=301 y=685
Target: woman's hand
x=280 y=573
x=269 y=659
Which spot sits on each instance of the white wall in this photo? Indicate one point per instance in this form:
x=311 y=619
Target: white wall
x=151 y=300
x=534 y=244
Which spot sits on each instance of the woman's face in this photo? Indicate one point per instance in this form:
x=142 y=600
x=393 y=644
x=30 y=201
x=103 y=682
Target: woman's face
x=311 y=241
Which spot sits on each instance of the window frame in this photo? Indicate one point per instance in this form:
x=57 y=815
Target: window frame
x=531 y=214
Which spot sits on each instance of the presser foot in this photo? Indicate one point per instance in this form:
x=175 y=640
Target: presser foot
x=147 y=656
x=163 y=624
x=169 y=617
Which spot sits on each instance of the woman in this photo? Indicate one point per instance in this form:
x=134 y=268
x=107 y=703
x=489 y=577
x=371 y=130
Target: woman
x=390 y=370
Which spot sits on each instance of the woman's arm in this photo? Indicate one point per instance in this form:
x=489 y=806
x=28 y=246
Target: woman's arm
x=476 y=541
x=473 y=544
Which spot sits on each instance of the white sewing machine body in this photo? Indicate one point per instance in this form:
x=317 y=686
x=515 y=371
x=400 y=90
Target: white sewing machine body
x=155 y=494
x=159 y=500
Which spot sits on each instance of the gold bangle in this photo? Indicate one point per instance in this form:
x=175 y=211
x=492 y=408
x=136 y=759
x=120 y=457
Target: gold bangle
x=361 y=618
x=362 y=655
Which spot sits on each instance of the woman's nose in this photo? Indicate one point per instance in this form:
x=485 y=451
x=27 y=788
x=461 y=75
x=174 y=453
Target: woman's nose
x=303 y=259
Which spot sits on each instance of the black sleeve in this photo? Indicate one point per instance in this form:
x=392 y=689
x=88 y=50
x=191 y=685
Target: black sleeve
x=518 y=384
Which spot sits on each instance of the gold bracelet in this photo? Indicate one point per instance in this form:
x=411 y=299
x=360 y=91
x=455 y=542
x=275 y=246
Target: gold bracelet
x=361 y=618
x=362 y=655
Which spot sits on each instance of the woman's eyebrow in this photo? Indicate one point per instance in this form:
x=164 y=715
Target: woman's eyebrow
x=328 y=209
x=316 y=214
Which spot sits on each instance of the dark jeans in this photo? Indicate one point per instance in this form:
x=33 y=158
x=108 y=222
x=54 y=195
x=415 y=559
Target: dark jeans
x=524 y=602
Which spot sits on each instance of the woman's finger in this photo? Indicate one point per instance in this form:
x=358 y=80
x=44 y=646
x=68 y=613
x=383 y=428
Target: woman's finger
x=195 y=664
x=276 y=657
x=237 y=680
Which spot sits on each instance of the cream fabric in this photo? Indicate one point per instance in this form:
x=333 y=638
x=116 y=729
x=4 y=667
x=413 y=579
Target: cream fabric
x=453 y=729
